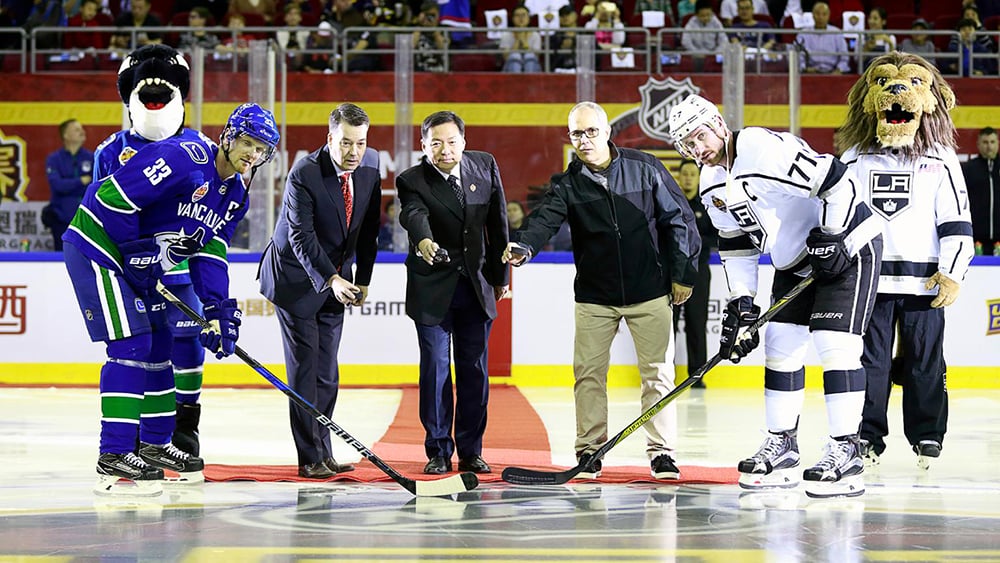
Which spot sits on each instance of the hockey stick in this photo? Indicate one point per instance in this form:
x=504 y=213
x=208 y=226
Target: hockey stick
x=440 y=487
x=522 y=476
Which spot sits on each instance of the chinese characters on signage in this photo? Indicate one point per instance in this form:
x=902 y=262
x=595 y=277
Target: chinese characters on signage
x=12 y=309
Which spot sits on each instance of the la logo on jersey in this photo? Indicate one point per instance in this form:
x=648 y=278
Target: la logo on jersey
x=890 y=192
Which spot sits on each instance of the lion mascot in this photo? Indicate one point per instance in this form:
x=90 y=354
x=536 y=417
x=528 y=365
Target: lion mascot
x=899 y=142
x=153 y=82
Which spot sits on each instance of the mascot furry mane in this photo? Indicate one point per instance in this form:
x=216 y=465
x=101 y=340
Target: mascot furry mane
x=153 y=82
x=900 y=102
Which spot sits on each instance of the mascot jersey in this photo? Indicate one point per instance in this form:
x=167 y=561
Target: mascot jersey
x=777 y=190
x=171 y=191
x=928 y=190
x=116 y=150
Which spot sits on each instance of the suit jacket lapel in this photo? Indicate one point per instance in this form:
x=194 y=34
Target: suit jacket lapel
x=331 y=183
x=440 y=189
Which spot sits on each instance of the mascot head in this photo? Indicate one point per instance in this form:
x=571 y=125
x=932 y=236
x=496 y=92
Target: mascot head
x=900 y=102
x=153 y=82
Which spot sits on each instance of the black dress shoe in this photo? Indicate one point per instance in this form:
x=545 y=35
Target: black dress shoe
x=437 y=466
x=317 y=470
x=332 y=465
x=475 y=464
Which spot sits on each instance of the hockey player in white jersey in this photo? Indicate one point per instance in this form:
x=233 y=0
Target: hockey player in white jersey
x=901 y=148
x=770 y=193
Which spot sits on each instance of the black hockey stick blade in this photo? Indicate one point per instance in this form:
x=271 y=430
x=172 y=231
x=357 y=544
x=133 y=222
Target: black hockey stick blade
x=451 y=485
x=524 y=476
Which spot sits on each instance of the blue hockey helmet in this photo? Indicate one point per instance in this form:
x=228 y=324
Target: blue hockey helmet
x=254 y=121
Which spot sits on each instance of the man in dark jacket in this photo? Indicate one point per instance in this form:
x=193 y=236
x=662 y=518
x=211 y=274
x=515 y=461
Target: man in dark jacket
x=982 y=177
x=69 y=171
x=453 y=208
x=321 y=259
x=635 y=241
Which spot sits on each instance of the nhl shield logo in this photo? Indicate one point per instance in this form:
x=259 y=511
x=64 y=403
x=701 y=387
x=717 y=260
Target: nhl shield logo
x=890 y=192
x=658 y=98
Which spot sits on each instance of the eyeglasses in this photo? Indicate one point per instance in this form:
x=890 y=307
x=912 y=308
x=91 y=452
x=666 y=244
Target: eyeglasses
x=590 y=133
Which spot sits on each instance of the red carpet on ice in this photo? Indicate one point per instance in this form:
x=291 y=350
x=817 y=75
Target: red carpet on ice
x=517 y=437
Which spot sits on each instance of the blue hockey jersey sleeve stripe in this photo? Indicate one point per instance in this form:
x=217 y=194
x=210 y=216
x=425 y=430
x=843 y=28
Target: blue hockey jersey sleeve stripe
x=954 y=228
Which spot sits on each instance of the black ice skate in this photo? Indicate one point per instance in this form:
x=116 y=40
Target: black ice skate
x=840 y=473
x=127 y=474
x=925 y=450
x=774 y=465
x=186 y=433
x=188 y=467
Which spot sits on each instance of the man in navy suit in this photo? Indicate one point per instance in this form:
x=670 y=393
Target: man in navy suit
x=455 y=215
x=329 y=219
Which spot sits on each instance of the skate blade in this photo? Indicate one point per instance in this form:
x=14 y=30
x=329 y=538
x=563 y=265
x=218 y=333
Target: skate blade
x=112 y=485
x=778 y=479
x=852 y=486
x=924 y=462
x=775 y=499
x=187 y=478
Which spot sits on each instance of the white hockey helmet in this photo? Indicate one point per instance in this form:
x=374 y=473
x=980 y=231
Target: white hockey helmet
x=693 y=112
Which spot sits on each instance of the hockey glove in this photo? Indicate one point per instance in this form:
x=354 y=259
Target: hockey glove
x=225 y=318
x=736 y=341
x=827 y=254
x=141 y=264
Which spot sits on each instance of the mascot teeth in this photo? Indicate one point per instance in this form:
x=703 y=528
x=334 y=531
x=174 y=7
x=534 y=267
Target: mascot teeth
x=896 y=115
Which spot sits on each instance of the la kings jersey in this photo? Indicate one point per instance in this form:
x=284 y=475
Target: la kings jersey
x=776 y=192
x=116 y=150
x=908 y=197
x=170 y=191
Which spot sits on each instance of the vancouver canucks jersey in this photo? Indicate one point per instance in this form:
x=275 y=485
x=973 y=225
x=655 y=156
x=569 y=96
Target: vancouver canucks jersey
x=172 y=192
x=777 y=190
x=116 y=150
x=924 y=207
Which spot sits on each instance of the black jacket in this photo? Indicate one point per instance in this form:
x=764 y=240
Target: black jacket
x=474 y=236
x=631 y=239
x=982 y=178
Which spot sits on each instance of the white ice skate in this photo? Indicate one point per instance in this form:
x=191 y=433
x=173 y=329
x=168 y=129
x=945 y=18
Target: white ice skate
x=840 y=473
x=126 y=474
x=774 y=465
x=926 y=450
x=188 y=467
x=870 y=456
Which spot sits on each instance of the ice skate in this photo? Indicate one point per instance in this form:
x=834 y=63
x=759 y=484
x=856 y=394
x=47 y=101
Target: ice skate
x=188 y=467
x=186 y=433
x=869 y=455
x=773 y=466
x=127 y=474
x=925 y=450
x=840 y=473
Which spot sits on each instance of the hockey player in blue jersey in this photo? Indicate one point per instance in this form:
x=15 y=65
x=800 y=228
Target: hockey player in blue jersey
x=174 y=200
x=153 y=83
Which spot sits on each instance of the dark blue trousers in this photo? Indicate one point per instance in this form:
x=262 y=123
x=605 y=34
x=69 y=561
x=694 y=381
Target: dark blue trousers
x=921 y=343
x=310 y=346
x=466 y=325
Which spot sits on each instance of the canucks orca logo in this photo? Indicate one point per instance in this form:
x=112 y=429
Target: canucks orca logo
x=179 y=246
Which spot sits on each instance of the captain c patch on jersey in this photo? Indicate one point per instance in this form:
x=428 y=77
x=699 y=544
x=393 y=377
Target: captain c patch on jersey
x=890 y=192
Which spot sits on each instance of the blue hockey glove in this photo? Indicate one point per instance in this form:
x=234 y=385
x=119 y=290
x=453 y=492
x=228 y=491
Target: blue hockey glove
x=141 y=264
x=736 y=341
x=827 y=254
x=225 y=318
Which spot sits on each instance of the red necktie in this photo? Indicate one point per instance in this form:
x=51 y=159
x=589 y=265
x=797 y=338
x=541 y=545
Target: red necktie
x=345 y=186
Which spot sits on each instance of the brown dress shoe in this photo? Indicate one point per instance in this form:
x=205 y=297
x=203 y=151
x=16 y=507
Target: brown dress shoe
x=317 y=470
x=437 y=466
x=475 y=464
x=332 y=465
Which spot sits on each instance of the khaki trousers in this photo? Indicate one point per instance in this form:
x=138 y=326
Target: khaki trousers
x=652 y=334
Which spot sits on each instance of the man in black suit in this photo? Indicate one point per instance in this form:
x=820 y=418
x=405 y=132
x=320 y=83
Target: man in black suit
x=455 y=215
x=329 y=217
